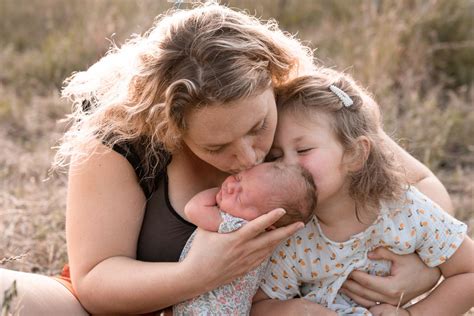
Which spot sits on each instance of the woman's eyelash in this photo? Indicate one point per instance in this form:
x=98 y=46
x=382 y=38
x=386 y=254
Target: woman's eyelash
x=300 y=151
x=213 y=151
x=262 y=127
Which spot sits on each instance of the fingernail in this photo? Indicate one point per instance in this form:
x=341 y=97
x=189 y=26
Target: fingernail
x=300 y=225
x=281 y=212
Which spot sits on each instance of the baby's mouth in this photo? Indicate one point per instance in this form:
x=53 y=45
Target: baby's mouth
x=219 y=196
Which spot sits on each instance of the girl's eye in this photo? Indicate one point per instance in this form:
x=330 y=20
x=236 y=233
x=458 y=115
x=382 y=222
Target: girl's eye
x=303 y=151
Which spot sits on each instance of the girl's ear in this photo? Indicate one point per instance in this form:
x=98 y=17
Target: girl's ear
x=356 y=157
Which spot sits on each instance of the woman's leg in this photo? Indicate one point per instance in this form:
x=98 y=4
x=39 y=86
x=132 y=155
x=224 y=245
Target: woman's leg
x=38 y=295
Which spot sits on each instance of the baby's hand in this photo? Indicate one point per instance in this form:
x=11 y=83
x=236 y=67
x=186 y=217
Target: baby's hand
x=388 y=310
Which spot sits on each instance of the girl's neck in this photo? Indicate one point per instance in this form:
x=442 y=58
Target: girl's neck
x=339 y=220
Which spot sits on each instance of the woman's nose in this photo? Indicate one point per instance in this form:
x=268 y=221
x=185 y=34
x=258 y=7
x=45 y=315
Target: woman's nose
x=246 y=156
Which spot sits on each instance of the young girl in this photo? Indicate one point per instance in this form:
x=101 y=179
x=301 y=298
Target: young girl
x=242 y=198
x=328 y=124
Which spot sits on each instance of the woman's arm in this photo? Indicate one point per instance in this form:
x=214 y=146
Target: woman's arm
x=421 y=176
x=105 y=210
x=399 y=286
x=455 y=294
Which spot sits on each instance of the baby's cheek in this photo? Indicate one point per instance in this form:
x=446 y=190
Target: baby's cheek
x=310 y=165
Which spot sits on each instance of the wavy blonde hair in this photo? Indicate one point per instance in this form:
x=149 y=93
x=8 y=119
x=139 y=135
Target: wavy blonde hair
x=140 y=92
x=380 y=178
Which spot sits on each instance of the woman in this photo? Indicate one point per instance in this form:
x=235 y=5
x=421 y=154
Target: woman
x=168 y=115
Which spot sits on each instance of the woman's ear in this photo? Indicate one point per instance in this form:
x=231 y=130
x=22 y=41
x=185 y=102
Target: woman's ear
x=356 y=157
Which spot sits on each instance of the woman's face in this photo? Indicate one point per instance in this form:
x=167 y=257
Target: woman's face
x=235 y=136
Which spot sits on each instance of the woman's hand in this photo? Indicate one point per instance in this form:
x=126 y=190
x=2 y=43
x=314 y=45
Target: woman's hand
x=409 y=277
x=388 y=310
x=220 y=258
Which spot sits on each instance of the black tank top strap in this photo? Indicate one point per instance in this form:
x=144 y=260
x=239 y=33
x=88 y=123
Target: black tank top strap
x=147 y=181
x=134 y=153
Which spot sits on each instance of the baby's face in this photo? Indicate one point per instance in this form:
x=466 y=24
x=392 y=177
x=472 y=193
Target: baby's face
x=244 y=194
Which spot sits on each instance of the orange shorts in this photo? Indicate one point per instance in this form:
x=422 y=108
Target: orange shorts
x=65 y=279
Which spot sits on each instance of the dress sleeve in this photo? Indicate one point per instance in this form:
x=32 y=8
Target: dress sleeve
x=439 y=234
x=281 y=280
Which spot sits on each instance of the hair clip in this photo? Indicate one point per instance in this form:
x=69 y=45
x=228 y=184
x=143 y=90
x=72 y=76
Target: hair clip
x=344 y=97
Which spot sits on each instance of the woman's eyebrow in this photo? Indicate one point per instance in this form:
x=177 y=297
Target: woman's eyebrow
x=228 y=143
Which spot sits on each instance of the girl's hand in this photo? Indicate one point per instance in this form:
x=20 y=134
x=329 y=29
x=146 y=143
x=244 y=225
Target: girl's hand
x=216 y=259
x=409 y=277
x=387 y=310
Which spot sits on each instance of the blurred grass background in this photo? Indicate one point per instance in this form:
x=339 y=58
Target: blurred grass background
x=416 y=56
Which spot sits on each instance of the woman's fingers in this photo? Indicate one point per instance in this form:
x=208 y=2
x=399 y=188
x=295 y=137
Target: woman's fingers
x=370 y=284
x=363 y=294
x=357 y=298
x=257 y=226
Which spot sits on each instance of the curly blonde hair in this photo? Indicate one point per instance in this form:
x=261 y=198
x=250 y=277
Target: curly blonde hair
x=140 y=92
x=380 y=178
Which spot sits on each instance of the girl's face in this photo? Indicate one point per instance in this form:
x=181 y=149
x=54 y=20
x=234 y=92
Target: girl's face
x=310 y=141
x=235 y=136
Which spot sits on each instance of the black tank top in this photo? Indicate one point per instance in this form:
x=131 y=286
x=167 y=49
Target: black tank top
x=164 y=232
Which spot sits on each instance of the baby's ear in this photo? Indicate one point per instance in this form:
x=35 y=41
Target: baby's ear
x=356 y=157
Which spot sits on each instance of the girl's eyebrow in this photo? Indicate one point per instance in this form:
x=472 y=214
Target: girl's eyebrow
x=297 y=139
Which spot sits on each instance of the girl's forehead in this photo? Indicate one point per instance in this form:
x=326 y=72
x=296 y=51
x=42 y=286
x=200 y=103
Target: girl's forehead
x=304 y=121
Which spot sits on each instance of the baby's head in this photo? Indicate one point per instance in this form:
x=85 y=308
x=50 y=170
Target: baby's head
x=268 y=186
x=331 y=103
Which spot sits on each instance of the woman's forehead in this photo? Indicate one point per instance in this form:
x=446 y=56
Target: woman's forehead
x=219 y=124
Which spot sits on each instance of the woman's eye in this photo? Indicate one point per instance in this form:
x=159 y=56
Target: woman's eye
x=214 y=151
x=262 y=126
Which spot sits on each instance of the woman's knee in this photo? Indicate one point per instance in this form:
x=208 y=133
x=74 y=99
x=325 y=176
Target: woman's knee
x=34 y=294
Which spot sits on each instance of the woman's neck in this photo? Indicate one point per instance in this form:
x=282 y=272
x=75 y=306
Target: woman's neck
x=208 y=175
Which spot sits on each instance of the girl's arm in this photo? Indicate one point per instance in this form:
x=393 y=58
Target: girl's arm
x=202 y=211
x=263 y=305
x=105 y=209
x=455 y=294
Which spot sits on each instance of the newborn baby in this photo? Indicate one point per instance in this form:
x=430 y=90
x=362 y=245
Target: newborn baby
x=241 y=198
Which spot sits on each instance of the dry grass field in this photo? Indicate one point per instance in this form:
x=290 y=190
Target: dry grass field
x=416 y=56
